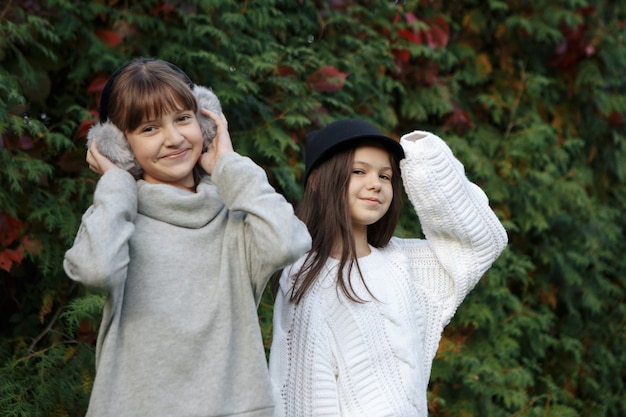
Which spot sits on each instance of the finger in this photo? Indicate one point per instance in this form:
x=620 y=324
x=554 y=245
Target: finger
x=92 y=152
x=89 y=158
x=93 y=149
x=217 y=118
x=208 y=112
x=94 y=168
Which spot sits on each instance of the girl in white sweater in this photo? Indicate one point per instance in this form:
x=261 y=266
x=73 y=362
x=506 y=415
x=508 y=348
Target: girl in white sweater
x=357 y=321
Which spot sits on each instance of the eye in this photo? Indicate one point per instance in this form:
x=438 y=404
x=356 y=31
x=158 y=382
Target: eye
x=358 y=171
x=184 y=117
x=385 y=177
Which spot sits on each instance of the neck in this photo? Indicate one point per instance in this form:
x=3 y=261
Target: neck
x=360 y=245
x=192 y=188
x=360 y=242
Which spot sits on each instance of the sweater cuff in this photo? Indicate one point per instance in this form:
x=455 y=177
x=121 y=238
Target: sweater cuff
x=418 y=142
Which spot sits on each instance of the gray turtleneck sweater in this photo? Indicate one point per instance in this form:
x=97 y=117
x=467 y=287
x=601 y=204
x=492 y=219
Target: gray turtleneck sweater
x=184 y=273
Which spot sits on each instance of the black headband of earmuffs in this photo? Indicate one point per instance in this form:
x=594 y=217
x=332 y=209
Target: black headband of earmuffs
x=104 y=98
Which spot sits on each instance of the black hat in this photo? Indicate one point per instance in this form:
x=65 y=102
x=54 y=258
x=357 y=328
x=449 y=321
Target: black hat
x=343 y=134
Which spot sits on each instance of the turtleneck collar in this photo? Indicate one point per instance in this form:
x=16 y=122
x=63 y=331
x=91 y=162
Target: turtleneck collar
x=180 y=207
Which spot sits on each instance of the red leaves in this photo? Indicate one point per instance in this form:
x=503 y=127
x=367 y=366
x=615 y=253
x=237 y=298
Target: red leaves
x=434 y=33
x=616 y=119
x=86 y=332
x=286 y=71
x=436 y=36
x=109 y=37
x=10 y=256
x=575 y=46
x=166 y=9
x=10 y=231
x=458 y=120
x=327 y=79
x=25 y=142
x=97 y=84
x=338 y=4
x=578 y=45
x=95 y=87
x=86 y=125
x=13 y=245
x=439 y=33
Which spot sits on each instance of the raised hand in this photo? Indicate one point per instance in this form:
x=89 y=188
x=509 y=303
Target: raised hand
x=220 y=145
x=98 y=163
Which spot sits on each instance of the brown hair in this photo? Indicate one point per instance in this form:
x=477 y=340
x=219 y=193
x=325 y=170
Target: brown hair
x=324 y=209
x=147 y=89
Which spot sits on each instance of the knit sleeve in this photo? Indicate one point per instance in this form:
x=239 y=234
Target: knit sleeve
x=460 y=227
x=273 y=236
x=99 y=256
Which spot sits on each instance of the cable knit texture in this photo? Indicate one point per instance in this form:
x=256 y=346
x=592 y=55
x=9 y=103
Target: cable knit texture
x=334 y=357
x=184 y=273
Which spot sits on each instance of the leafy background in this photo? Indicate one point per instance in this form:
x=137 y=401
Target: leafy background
x=530 y=95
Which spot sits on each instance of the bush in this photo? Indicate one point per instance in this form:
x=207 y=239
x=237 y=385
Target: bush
x=530 y=96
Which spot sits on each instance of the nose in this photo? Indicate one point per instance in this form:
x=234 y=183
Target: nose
x=173 y=138
x=374 y=182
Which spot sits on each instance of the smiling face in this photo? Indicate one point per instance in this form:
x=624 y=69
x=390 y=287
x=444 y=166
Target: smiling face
x=371 y=191
x=152 y=102
x=167 y=147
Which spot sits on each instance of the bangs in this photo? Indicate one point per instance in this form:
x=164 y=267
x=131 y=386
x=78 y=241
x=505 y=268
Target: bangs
x=149 y=97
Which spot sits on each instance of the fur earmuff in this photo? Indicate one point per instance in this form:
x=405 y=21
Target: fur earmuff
x=207 y=100
x=112 y=143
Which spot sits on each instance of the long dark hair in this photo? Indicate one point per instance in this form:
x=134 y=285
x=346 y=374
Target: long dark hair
x=324 y=209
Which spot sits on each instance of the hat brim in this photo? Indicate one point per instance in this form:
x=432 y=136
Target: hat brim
x=314 y=158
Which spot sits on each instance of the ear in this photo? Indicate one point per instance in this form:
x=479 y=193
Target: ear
x=208 y=100
x=112 y=143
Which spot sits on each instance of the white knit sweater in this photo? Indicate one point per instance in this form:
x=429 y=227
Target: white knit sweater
x=333 y=357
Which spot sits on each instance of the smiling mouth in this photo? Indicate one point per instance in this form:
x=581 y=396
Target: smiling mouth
x=371 y=200
x=176 y=154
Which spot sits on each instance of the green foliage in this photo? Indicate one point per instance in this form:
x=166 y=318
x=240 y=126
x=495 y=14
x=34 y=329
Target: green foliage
x=529 y=94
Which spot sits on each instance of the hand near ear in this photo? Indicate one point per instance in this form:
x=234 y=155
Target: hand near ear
x=98 y=163
x=220 y=145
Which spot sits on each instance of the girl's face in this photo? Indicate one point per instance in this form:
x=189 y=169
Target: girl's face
x=370 y=192
x=168 y=148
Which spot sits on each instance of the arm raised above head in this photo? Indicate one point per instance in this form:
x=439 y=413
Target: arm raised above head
x=460 y=227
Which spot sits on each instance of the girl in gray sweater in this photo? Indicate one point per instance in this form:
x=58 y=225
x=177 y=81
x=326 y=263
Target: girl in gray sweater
x=183 y=235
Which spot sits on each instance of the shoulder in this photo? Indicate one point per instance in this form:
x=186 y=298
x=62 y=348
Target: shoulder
x=287 y=277
x=410 y=256
x=324 y=280
x=404 y=246
x=229 y=167
x=116 y=180
x=118 y=189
